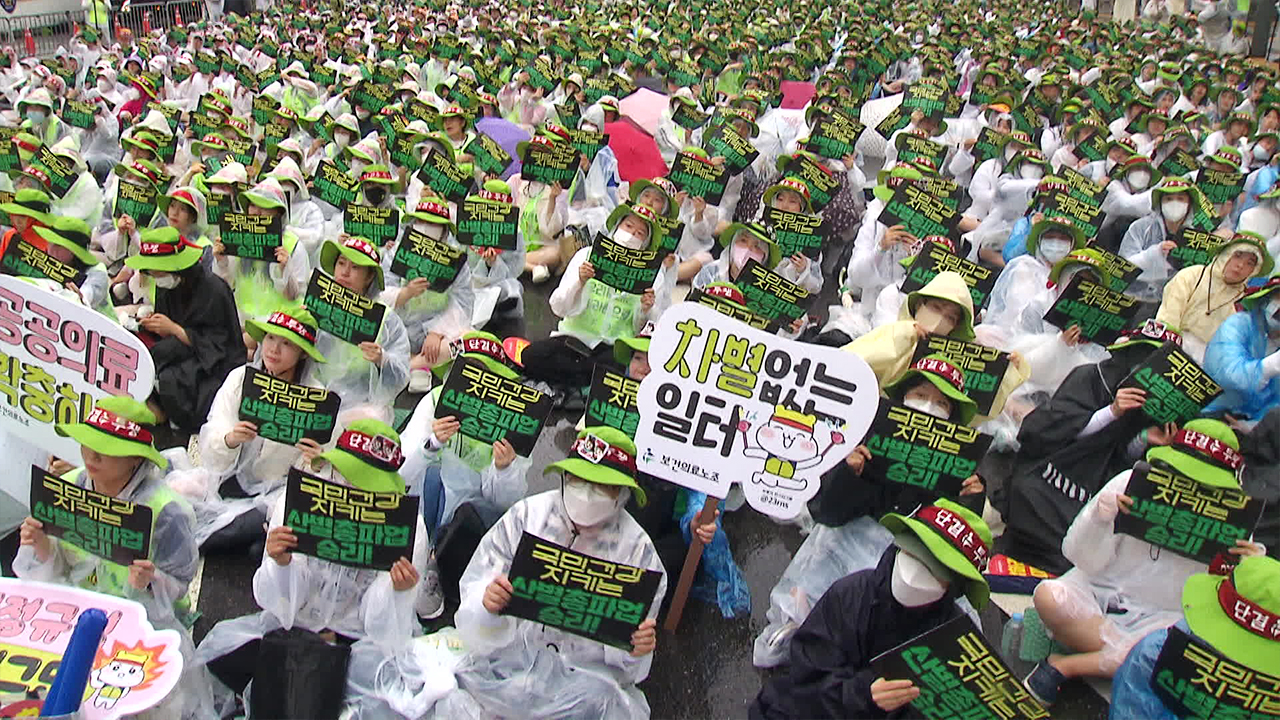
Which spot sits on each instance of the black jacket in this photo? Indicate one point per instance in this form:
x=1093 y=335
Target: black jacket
x=830 y=672
x=1261 y=479
x=845 y=496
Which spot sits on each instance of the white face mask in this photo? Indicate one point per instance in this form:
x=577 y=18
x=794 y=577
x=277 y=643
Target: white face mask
x=628 y=239
x=742 y=254
x=1054 y=249
x=1030 y=172
x=1174 y=210
x=912 y=584
x=1260 y=153
x=588 y=504
x=1139 y=179
x=928 y=407
x=35 y=116
x=104 y=85
x=341 y=139
x=167 y=282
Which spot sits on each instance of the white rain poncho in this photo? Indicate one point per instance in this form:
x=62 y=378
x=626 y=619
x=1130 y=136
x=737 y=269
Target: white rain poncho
x=447 y=313
x=317 y=595
x=518 y=668
x=466 y=466
x=175 y=555
x=1141 y=246
x=358 y=381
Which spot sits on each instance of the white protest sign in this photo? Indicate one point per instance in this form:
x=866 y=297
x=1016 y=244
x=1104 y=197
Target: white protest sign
x=58 y=357
x=728 y=403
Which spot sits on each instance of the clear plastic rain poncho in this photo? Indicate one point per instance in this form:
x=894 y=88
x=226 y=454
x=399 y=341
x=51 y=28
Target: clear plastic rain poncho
x=448 y=313
x=175 y=554
x=518 y=668
x=358 y=381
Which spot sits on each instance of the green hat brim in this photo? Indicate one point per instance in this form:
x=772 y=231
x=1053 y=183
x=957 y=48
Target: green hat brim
x=1268 y=262
x=16 y=209
x=624 y=347
x=1194 y=468
x=108 y=444
x=639 y=186
x=257 y=328
x=620 y=212
x=495 y=367
x=261 y=201
x=1055 y=272
x=436 y=219
x=726 y=239
x=372 y=479
x=1040 y=228
x=774 y=190
x=967 y=407
x=121 y=168
x=330 y=250
x=592 y=472
x=1207 y=620
x=1251 y=300
x=183 y=259
x=82 y=253
x=977 y=591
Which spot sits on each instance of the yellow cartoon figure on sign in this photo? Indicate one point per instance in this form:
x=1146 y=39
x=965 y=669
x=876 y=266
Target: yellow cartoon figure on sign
x=788 y=443
x=113 y=681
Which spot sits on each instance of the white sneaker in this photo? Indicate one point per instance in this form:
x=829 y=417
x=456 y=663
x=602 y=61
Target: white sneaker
x=420 y=381
x=540 y=274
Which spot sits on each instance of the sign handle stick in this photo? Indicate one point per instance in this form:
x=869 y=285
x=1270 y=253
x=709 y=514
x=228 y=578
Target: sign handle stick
x=691 y=560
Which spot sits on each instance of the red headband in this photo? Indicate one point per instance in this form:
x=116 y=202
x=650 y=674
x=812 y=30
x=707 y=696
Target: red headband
x=1209 y=448
x=943 y=369
x=483 y=346
x=1246 y=613
x=381 y=451
x=37 y=173
x=495 y=196
x=293 y=325
x=362 y=247
x=599 y=452
x=955 y=530
x=120 y=427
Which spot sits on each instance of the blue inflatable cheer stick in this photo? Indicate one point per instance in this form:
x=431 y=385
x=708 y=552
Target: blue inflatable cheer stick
x=77 y=660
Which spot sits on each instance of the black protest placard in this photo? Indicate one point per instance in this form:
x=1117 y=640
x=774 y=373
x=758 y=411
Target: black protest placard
x=1179 y=164
x=822 y=183
x=689 y=117
x=920 y=212
x=1100 y=313
x=897 y=119
x=835 y=136
x=1194 y=680
x=584 y=595
x=347 y=525
x=286 y=412
x=699 y=177
x=333 y=185
x=378 y=225
x=202 y=124
x=252 y=237
x=483 y=224
x=345 y=314
x=136 y=201
x=490 y=407
x=990 y=144
x=796 y=232
x=207 y=63
x=771 y=295
x=917 y=449
x=1190 y=518
x=983 y=366
x=444 y=176
x=1219 y=186
x=1080 y=186
x=1194 y=247
x=725 y=142
x=612 y=401
x=418 y=255
x=1104 y=97
x=79 y=114
x=264 y=109
x=1122 y=272
x=272 y=134
x=730 y=309
x=22 y=259
x=108 y=527
x=10 y=160
x=242 y=150
x=62 y=174
x=622 y=268
x=934 y=258
x=371 y=96
x=404 y=152
x=928 y=98
x=487 y=154
x=948 y=192
x=587 y=142
x=1177 y=387
x=551 y=163
x=1083 y=212
x=1204 y=216
x=911 y=146
x=1094 y=148
x=958 y=674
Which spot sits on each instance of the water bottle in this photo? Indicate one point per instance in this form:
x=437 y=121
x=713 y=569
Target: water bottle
x=1011 y=641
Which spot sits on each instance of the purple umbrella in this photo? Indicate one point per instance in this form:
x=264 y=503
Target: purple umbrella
x=507 y=135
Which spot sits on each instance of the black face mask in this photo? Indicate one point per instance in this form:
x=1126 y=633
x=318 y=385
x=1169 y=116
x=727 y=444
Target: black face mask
x=375 y=195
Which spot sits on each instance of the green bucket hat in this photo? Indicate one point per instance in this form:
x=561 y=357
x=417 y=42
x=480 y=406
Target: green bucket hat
x=29 y=202
x=661 y=185
x=116 y=427
x=944 y=375
x=483 y=347
x=356 y=249
x=1152 y=333
x=1228 y=155
x=1239 y=615
x=934 y=289
x=1204 y=450
x=623 y=348
x=955 y=536
x=882 y=191
x=166 y=250
x=432 y=210
x=1255 y=298
x=603 y=455
x=643 y=212
x=1050 y=223
x=368 y=455
x=211 y=141
x=72 y=234
x=1170 y=186
x=143 y=140
x=143 y=170
x=293 y=324
x=756 y=230
x=1083 y=256
x=1244 y=117
x=793 y=184
x=1255 y=241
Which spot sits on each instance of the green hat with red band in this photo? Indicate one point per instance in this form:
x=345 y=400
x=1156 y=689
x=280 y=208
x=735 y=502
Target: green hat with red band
x=117 y=426
x=1055 y=222
x=648 y=216
x=166 y=250
x=72 y=234
x=623 y=348
x=1084 y=256
x=432 y=210
x=294 y=324
x=368 y=455
x=1251 y=300
x=603 y=455
x=793 y=184
x=358 y=250
x=1152 y=332
x=947 y=377
x=955 y=536
x=29 y=202
x=662 y=185
x=483 y=347
x=1204 y=450
x=1239 y=614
